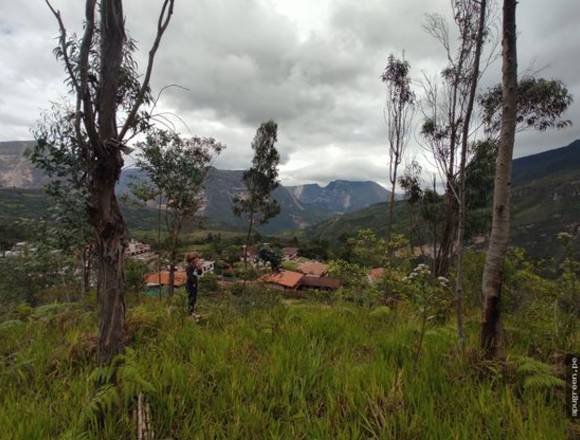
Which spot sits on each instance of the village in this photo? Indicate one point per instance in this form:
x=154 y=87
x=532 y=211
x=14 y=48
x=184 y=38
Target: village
x=280 y=268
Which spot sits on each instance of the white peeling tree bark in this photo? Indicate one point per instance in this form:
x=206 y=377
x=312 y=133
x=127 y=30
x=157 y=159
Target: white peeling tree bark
x=491 y=342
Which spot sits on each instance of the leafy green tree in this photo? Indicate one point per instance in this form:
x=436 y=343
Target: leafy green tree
x=272 y=256
x=448 y=106
x=316 y=249
x=399 y=112
x=257 y=204
x=66 y=227
x=351 y=275
x=430 y=297
x=176 y=169
x=107 y=111
x=479 y=187
x=432 y=210
x=368 y=250
x=38 y=267
x=540 y=105
x=411 y=183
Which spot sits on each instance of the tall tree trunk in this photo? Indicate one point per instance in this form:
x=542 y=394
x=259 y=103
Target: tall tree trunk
x=88 y=266
x=83 y=268
x=173 y=259
x=392 y=205
x=248 y=237
x=159 y=245
x=96 y=110
x=110 y=243
x=491 y=342
x=434 y=251
x=171 y=278
x=447 y=236
x=459 y=294
x=104 y=211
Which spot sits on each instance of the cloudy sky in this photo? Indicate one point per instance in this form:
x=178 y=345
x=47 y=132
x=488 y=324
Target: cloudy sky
x=313 y=66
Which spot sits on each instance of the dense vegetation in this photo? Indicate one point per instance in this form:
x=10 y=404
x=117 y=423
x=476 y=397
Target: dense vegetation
x=369 y=361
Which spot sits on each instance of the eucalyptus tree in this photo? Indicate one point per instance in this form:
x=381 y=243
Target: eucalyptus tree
x=540 y=105
x=473 y=80
x=448 y=105
x=399 y=112
x=107 y=111
x=256 y=204
x=411 y=182
x=176 y=169
x=513 y=106
x=495 y=257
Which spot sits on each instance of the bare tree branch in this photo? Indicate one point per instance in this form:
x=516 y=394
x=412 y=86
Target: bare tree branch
x=83 y=93
x=162 y=23
x=62 y=39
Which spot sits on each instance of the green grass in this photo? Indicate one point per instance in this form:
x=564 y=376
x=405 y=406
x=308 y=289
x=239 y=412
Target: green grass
x=258 y=367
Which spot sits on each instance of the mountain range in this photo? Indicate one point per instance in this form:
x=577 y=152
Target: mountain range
x=301 y=206
x=545 y=201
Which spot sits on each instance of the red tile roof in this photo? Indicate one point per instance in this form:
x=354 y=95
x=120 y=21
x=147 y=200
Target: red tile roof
x=163 y=278
x=377 y=273
x=287 y=279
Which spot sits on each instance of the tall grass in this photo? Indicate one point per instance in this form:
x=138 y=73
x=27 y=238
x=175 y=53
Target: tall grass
x=260 y=368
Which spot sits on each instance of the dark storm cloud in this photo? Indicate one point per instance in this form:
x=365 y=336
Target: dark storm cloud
x=245 y=61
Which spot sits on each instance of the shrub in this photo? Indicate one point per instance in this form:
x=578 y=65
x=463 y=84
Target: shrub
x=135 y=272
x=209 y=283
x=380 y=313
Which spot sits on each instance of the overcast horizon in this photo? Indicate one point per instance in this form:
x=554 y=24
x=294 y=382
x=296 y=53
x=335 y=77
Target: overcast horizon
x=313 y=68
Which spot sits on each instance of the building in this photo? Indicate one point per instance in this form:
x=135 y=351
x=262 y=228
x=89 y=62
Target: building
x=288 y=280
x=313 y=268
x=289 y=253
x=162 y=278
x=320 y=283
x=252 y=254
x=136 y=248
x=207 y=267
x=284 y=280
x=20 y=249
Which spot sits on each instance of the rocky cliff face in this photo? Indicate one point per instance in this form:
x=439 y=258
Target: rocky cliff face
x=302 y=206
x=16 y=171
x=340 y=195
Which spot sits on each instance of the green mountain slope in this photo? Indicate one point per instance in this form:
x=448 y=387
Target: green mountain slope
x=301 y=206
x=545 y=201
x=538 y=166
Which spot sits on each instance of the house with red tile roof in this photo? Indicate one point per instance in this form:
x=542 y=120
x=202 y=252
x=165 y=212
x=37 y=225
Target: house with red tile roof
x=285 y=279
x=162 y=278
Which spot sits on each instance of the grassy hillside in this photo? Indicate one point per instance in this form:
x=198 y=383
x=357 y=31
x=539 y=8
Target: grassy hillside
x=259 y=367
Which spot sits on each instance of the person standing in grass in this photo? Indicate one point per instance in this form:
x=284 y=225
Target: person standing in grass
x=193 y=272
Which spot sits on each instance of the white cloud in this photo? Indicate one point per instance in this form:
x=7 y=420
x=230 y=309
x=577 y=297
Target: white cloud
x=312 y=66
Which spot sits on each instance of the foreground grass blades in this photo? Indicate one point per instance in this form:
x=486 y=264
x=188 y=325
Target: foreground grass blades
x=275 y=370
